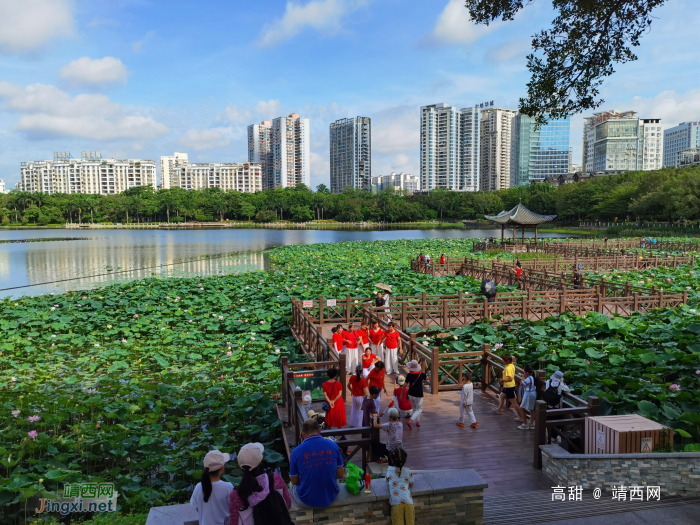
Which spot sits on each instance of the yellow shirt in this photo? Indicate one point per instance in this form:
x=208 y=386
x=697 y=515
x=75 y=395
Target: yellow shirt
x=509 y=371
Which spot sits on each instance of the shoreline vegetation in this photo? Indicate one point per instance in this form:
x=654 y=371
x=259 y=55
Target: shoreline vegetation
x=92 y=381
x=667 y=195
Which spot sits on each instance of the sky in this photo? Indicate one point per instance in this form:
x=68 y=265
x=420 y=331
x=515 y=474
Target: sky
x=141 y=79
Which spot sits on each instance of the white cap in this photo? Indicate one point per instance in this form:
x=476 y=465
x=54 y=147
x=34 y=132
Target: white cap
x=215 y=459
x=251 y=455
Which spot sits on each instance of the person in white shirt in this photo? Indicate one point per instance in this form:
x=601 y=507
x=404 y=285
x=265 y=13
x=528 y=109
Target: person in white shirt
x=467 y=402
x=210 y=496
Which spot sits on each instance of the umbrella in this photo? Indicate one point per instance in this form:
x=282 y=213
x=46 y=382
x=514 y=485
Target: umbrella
x=488 y=288
x=383 y=286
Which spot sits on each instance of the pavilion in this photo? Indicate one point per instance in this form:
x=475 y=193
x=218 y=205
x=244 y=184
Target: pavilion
x=519 y=217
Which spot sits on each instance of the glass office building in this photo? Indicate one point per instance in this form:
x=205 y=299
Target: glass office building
x=541 y=152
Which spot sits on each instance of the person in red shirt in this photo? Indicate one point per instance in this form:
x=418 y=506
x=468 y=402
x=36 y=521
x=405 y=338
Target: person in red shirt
x=368 y=361
x=375 y=339
x=359 y=390
x=442 y=259
x=338 y=345
x=392 y=347
x=352 y=356
x=401 y=401
x=376 y=378
x=333 y=392
x=363 y=336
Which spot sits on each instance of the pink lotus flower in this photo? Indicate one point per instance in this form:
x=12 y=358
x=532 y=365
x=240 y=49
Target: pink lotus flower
x=697 y=372
x=262 y=322
x=674 y=387
x=229 y=354
x=136 y=316
x=33 y=434
x=15 y=413
x=588 y=362
x=668 y=280
x=33 y=419
x=221 y=377
x=498 y=345
x=98 y=425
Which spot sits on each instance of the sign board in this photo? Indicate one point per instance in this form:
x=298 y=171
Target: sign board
x=330 y=302
x=646 y=445
x=308 y=304
x=311 y=380
x=600 y=439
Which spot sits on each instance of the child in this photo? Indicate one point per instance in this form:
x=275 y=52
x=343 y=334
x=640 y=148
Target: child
x=368 y=361
x=401 y=400
x=528 y=392
x=467 y=402
x=210 y=496
x=400 y=480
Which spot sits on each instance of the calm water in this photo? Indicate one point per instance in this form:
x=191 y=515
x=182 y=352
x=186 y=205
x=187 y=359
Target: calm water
x=110 y=256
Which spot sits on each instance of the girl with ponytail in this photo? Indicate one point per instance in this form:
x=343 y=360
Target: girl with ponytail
x=400 y=480
x=210 y=496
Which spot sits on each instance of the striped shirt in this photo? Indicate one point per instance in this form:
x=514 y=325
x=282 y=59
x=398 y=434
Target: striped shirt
x=528 y=384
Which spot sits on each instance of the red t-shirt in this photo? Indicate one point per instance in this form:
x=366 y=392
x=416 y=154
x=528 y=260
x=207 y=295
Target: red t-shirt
x=338 y=341
x=357 y=387
x=350 y=336
x=401 y=393
x=363 y=336
x=367 y=361
x=376 y=378
x=518 y=271
x=392 y=339
x=376 y=336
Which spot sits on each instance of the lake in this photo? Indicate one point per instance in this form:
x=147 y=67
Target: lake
x=102 y=257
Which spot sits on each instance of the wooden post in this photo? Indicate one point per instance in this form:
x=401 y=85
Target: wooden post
x=342 y=365
x=411 y=347
x=635 y=301
x=404 y=316
x=502 y=233
x=627 y=289
x=562 y=299
x=540 y=431
x=347 y=309
x=486 y=308
x=535 y=237
x=599 y=306
x=283 y=365
x=445 y=316
x=434 y=371
x=295 y=411
x=320 y=310
x=485 y=367
x=661 y=298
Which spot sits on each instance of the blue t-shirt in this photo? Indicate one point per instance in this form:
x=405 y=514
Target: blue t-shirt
x=316 y=462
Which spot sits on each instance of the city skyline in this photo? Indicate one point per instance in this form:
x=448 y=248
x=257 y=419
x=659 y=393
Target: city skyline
x=98 y=76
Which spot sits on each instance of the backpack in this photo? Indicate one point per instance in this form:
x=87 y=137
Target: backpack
x=551 y=396
x=273 y=509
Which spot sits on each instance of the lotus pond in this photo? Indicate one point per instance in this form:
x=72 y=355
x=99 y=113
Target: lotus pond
x=134 y=382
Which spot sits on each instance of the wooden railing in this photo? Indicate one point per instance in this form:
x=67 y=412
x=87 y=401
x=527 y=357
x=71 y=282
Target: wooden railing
x=295 y=414
x=580 y=245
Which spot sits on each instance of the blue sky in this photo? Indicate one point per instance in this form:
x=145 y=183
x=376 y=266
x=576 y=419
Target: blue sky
x=141 y=79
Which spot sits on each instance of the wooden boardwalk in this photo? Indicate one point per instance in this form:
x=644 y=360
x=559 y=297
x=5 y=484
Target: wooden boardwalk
x=496 y=449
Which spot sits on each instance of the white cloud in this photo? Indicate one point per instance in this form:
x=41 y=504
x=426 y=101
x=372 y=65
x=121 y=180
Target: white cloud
x=268 y=109
x=28 y=25
x=96 y=72
x=137 y=46
x=199 y=139
x=671 y=107
x=46 y=111
x=320 y=169
x=325 y=16
x=515 y=47
x=237 y=115
x=395 y=130
x=400 y=161
x=453 y=27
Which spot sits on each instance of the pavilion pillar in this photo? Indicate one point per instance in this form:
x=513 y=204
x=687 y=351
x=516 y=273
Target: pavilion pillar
x=523 y=234
x=515 y=234
x=503 y=228
x=535 y=234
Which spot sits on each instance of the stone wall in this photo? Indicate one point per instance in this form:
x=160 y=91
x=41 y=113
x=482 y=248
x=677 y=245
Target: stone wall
x=676 y=473
x=447 y=497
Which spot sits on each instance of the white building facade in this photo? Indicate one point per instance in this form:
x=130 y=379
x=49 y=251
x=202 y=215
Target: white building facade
x=683 y=137
x=90 y=174
x=167 y=164
x=260 y=151
x=621 y=141
x=400 y=181
x=351 y=153
x=245 y=177
x=2 y=186
x=496 y=149
x=449 y=147
x=291 y=151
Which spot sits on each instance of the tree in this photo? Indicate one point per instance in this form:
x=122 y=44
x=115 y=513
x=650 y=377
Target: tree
x=248 y=210
x=322 y=188
x=573 y=57
x=301 y=213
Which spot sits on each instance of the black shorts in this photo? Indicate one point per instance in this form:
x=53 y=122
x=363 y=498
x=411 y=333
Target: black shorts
x=510 y=392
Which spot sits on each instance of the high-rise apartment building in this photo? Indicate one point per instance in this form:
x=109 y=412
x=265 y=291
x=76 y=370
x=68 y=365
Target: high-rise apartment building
x=541 y=152
x=449 y=147
x=621 y=141
x=2 y=186
x=495 y=148
x=245 y=177
x=89 y=174
x=351 y=153
x=260 y=151
x=682 y=137
x=588 y=143
x=291 y=151
x=167 y=163
x=400 y=181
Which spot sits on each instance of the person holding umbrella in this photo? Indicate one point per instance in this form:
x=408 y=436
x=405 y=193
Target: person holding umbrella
x=489 y=289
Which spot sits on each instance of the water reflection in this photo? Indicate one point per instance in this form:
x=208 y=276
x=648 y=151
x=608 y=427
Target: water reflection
x=112 y=256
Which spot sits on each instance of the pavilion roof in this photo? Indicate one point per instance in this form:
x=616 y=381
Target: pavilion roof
x=519 y=216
